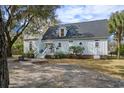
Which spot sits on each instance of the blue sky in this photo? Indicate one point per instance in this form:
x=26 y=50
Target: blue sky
x=73 y=14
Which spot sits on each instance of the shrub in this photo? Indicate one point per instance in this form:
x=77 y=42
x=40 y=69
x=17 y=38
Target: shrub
x=121 y=50
x=76 y=49
x=59 y=55
x=71 y=56
x=17 y=48
x=48 y=56
x=30 y=54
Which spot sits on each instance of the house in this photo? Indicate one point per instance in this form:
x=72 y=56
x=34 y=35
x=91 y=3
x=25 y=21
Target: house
x=92 y=35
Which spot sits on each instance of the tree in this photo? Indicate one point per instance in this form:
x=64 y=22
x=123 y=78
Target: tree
x=4 y=75
x=39 y=26
x=17 y=48
x=17 y=18
x=116 y=26
x=76 y=49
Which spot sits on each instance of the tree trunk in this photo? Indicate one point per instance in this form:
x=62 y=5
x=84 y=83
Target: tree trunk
x=118 y=48
x=119 y=41
x=9 y=51
x=4 y=75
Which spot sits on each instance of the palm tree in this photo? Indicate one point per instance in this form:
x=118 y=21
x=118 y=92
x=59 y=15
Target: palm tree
x=116 y=26
x=4 y=75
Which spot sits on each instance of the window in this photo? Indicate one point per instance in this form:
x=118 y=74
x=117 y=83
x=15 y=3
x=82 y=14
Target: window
x=96 y=44
x=59 y=44
x=30 y=46
x=57 y=48
x=80 y=43
x=62 y=32
x=70 y=41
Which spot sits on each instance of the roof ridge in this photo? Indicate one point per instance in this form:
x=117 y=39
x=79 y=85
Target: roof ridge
x=84 y=22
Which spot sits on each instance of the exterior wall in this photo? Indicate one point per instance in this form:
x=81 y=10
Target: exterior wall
x=89 y=45
x=27 y=43
x=36 y=43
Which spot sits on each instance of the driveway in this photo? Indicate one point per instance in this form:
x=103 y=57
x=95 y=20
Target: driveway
x=61 y=75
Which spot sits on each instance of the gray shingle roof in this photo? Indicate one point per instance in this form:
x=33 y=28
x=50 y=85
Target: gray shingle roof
x=90 y=29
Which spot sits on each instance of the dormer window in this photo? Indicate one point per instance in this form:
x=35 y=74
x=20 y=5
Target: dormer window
x=62 y=32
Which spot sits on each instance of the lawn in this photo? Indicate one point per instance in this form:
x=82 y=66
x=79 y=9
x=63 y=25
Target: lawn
x=114 y=67
x=66 y=73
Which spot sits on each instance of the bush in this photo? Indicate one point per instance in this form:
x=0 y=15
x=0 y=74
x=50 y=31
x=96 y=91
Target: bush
x=71 y=56
x=76 y=49
x=79 y=56
x=17 y=48
x=59 y=55
x=30 y=54
x=121 y=50
x=49 y=56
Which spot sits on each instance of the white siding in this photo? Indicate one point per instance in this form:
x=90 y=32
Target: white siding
x=37 y=45
x=27 y=43
x=89 y=46
x=64 y=46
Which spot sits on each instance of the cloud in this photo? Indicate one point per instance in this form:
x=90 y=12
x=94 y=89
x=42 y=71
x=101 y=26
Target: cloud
x=72 y=14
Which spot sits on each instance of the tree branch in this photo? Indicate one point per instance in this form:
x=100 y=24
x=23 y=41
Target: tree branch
x=23 y=28
x=9 y=18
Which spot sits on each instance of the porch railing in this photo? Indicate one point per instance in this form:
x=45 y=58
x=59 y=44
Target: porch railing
x=44 y=53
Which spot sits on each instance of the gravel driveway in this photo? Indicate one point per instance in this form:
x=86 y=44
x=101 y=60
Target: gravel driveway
x=58 y=75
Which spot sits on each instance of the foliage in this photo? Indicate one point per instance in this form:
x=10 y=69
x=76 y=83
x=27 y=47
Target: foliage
x=17 y=48
x=17 y=18
x=57 y=55
x=50 y=56
x=116 y=22
x=30 y=54
x=60 y=55
x=76 y=49
x=121 y=50
x=39 y=26
x=116 y=26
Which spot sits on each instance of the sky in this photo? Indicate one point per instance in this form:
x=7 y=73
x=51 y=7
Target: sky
x=73 y=14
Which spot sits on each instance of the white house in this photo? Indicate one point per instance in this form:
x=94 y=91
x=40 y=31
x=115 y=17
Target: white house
x=92 y=35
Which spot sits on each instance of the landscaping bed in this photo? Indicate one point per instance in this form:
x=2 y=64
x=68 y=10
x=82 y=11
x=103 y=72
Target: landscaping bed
x=70 y=56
